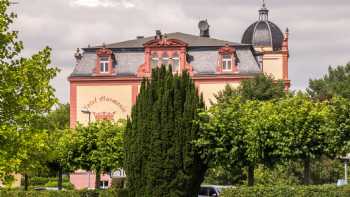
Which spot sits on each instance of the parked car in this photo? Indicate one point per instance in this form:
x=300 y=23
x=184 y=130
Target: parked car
x=211 y=190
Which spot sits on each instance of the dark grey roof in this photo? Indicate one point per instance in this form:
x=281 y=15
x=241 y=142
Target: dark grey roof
x=203 y=62
x=191 y=40
x=265 y=34
x=204 y=51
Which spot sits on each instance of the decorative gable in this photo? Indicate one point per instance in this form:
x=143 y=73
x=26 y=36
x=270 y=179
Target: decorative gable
x=162 y=50
x=164 y=42
x=104 y=52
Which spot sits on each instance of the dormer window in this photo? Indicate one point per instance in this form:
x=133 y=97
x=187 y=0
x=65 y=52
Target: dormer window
x=227 y=63
x=105 y=61
x=104 y=64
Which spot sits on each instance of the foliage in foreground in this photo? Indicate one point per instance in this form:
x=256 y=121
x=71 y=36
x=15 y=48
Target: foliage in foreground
x=247 y=133
x=68 y=193
x=290 y=191
x=98 y=147
x=25 y=95
x=161 y=159
x=334 y=83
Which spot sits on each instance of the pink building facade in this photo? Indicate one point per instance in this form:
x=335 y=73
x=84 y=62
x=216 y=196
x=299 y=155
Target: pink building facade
x=106 y=79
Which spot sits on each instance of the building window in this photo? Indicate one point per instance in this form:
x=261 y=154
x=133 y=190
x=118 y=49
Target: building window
x=154 y=61
x=165 y=60
x=104 y=64
x=103 y=184
x=226 y=63
x=175 y=62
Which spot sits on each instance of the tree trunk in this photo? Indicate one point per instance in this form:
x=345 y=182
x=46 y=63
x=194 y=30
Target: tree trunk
x=26 y=182
x=98 y=179
x=307 y=170
x=250 y=176
x=60 y=178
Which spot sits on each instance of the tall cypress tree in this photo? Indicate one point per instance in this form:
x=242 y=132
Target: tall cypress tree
x=161 y=159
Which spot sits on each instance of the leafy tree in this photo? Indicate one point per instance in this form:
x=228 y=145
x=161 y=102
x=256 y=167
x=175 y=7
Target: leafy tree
x=241 y=134
x=217 y=175
x=97 y=147
x=161 y=159
x=58 y=119
x=25 y=95
x=307 y=130
x=57 y=124
x=33 y=154
x=335 y=83
x=237 y=131
x=262 y=87
x=340 y=108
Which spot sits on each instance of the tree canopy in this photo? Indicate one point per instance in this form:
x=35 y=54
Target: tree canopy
x=334 y=83
x=261 y=87
x=25 y=95
x=98 y=147
x=161 y=159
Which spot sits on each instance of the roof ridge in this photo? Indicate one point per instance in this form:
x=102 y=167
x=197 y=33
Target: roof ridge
x=190 y=39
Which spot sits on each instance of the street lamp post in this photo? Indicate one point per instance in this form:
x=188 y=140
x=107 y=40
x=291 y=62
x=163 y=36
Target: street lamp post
x=346 y=160
x=87 y=111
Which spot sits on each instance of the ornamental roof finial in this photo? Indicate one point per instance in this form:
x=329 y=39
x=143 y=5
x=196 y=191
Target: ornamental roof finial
x=78 y=56
x=263 y=12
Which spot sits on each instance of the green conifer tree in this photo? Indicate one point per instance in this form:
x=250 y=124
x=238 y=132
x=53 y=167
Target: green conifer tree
x=161 y=159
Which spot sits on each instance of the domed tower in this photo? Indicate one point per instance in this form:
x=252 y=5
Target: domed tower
x=267 y=38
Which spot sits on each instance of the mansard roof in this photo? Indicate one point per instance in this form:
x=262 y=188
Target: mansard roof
x=191 y=40
x=202 y=50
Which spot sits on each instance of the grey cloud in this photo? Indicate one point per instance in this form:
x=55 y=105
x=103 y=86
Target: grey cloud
x=319 y=28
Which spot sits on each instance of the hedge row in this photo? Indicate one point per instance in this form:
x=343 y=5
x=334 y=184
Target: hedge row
x=288 y=191
x=68 y=193
x=35 y=181
x=258 y=191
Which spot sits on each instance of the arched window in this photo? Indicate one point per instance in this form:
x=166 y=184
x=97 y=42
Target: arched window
x=175 y=62
x=154 y=60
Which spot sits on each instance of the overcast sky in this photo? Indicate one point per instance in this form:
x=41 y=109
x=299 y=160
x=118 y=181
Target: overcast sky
x=319 y=29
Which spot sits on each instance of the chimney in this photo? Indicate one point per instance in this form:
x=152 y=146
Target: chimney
x=158 y=35
x=203 y=26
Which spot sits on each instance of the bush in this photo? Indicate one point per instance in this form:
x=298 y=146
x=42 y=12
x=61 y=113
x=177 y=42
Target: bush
x=69 y=193
x=41 y=181
x=17 y=193
x=66 y=185
x=289 y=191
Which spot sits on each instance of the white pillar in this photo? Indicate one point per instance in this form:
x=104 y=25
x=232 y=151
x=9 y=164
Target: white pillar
x=346 y=171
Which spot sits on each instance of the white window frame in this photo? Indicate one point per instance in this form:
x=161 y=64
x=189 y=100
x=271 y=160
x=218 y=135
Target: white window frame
x=226 y=63
x=165 y=61
x=176 y=66
x=104 y=65
x=154 y=58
